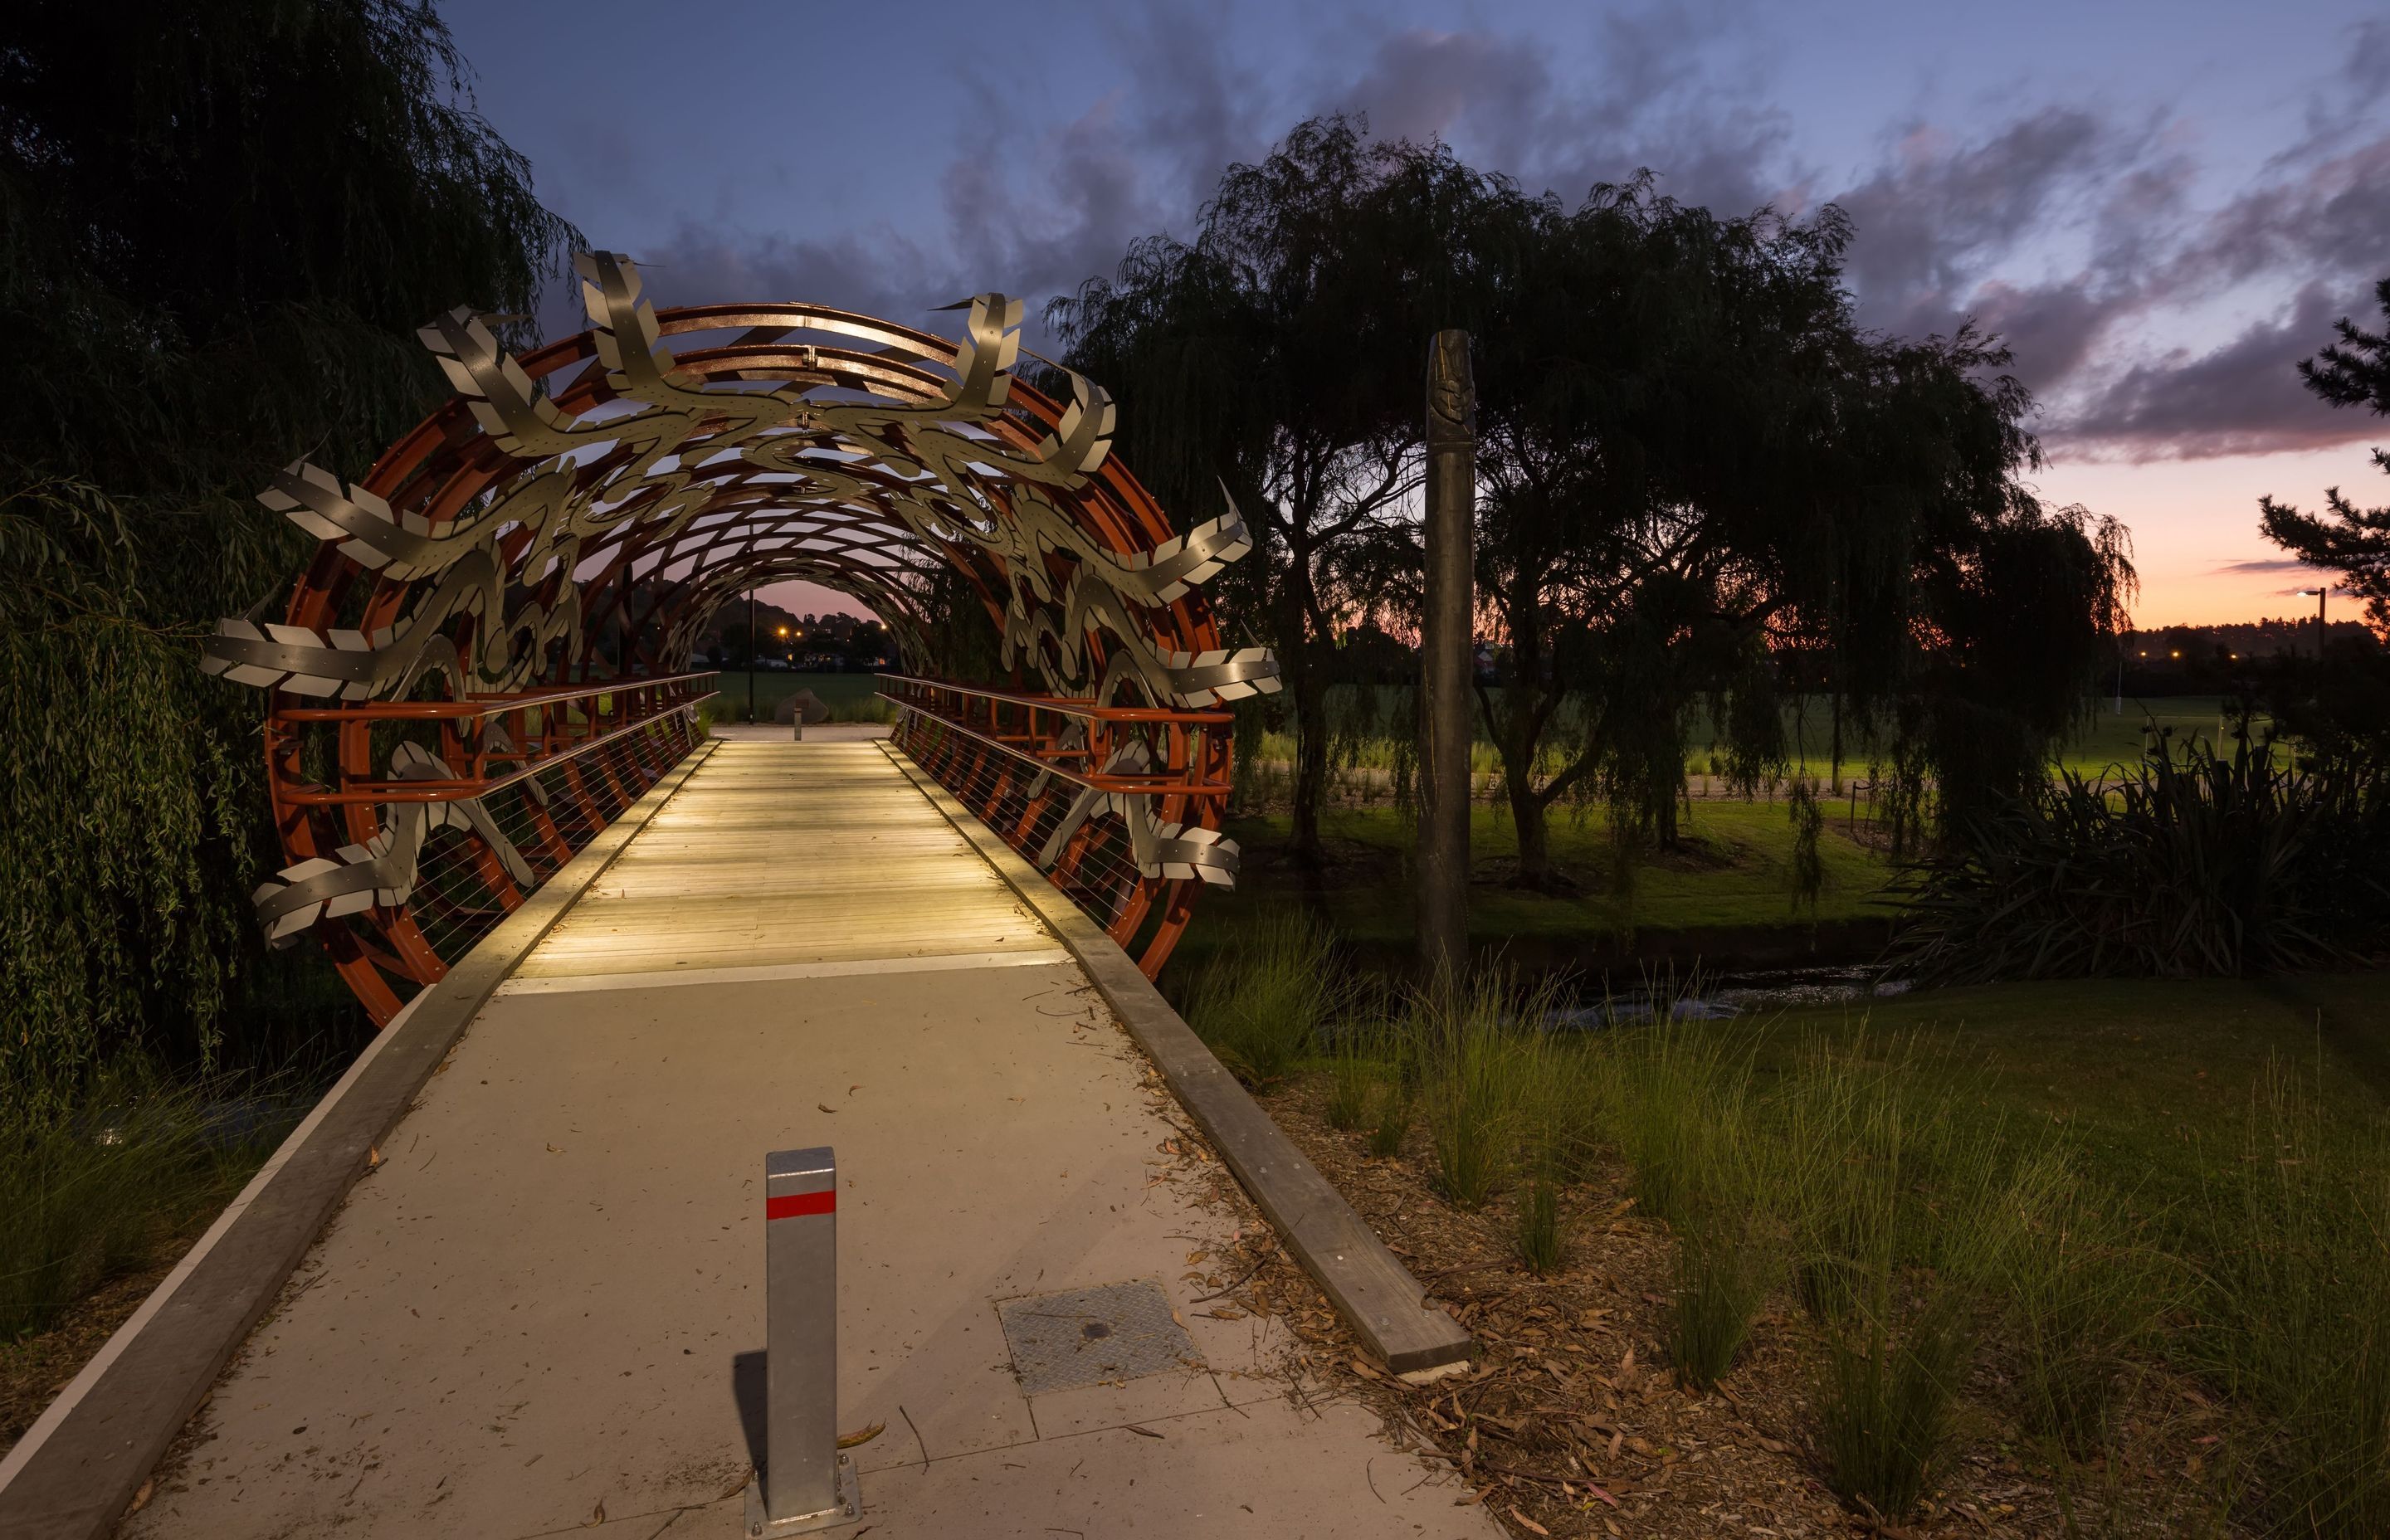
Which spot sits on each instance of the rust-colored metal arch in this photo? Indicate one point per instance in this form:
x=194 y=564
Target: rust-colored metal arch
x=487 y=656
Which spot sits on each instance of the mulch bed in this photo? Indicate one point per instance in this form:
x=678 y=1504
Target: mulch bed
x=1571 y=1422
x=35 y=1369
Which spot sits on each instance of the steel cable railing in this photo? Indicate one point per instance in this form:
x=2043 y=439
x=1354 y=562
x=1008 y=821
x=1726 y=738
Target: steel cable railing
x=1119 y=806
x=462 y=886
x=443 y=817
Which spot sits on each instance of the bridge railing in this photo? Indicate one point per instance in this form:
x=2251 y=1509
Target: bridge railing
x=437 y=818
x=1120 y=806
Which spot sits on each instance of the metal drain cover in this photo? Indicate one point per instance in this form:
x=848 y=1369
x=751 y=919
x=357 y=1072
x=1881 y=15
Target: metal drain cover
x=1086 y=1336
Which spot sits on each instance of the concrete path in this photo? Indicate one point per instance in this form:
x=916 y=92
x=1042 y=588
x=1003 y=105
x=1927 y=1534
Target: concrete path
x=541 y=1313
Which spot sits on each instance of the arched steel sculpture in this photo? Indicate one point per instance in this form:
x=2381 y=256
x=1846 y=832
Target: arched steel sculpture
x=488 y=656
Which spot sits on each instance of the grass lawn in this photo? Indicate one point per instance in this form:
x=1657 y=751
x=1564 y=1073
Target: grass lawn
x=1732 y=874
x=850 y=697
x=2113 y=739
x=2151 y=1079
x=2104 y=737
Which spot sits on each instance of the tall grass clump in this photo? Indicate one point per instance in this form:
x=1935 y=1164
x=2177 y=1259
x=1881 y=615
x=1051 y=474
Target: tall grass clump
x=1680 y=1102
x=1542 y=1228
x=2298 y=1313
x=90 y=1194
x=1390 y=1122
x=1266 y=1005
x=1890 y=1223
x=1354 y=1076
x=2080 y=1289
x=1890 y=1403
x=1728 y=1260
x=1560 y=1104
x=1365 y=1057
x=1474 y=1071
x=1682 y=1111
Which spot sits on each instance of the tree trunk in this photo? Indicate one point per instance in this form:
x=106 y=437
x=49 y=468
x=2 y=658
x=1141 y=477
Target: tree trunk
x=1519 y=729
x=1527 y=817
x=1310 y=755
x=1306 y=666
x=1516 y=735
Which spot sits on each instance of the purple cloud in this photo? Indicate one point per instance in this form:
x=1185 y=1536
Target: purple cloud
x=1948 y=227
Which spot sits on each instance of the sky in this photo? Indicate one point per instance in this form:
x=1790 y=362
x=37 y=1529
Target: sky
x=2161 y=208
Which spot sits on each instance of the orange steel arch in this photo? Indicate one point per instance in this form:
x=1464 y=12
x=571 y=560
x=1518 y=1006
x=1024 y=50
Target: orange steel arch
x=487 y=656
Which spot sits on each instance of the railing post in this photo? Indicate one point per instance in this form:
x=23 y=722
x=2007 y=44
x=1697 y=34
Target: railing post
x=806 y=1483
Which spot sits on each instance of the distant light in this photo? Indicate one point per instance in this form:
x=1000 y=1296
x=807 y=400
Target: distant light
x=2174 y=654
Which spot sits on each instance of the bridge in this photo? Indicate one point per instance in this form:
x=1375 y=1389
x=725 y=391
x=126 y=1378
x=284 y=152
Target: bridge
x=508 y=1277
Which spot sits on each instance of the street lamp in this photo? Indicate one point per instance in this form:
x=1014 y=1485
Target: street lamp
x=2321 y=595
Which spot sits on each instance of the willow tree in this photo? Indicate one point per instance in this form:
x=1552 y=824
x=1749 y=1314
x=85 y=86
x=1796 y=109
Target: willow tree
x=219 y=227
x=1705 y=482
x=1281 y=354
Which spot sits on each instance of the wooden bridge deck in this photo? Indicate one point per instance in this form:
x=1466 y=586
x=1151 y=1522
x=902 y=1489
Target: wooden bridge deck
x=786 y=861
x=539 y=1312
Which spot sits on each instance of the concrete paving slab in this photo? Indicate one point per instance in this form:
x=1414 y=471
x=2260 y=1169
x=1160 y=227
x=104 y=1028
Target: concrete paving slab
x=1252 y=1476
x=543 y=1310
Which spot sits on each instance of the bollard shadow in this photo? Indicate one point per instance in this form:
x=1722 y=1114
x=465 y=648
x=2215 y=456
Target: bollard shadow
x=747 y=1390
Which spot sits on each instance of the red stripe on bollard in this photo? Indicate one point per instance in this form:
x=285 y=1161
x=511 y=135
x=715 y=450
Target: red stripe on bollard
x=797 y=1205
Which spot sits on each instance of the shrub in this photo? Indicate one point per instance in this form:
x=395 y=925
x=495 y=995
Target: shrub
x=2190 y=864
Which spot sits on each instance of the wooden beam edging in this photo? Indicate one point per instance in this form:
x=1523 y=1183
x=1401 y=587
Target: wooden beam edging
x=72 y=1474
x=1369 y=1287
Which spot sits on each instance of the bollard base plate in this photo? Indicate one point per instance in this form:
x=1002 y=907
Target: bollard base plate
x=846 y=1510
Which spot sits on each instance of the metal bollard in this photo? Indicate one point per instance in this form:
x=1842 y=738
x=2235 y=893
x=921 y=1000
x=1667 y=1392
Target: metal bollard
x=806 y=1485
x=801 y=725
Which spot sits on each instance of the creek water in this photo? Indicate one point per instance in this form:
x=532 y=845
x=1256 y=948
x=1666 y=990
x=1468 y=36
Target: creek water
x=1596 y=1004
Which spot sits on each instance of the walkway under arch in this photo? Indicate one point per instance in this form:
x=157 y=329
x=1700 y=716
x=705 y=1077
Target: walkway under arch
x=618 y=959
x=489 y=655
x=541 y=1311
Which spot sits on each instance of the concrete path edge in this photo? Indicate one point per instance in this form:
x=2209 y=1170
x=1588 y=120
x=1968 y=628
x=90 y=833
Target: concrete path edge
x=1369 y=1287
x=76 y=1469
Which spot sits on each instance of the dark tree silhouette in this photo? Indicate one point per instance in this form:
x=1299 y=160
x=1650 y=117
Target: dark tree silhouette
x=1282 y=355
x=1704 y=479
x=220 y=227
x=2352 y=541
